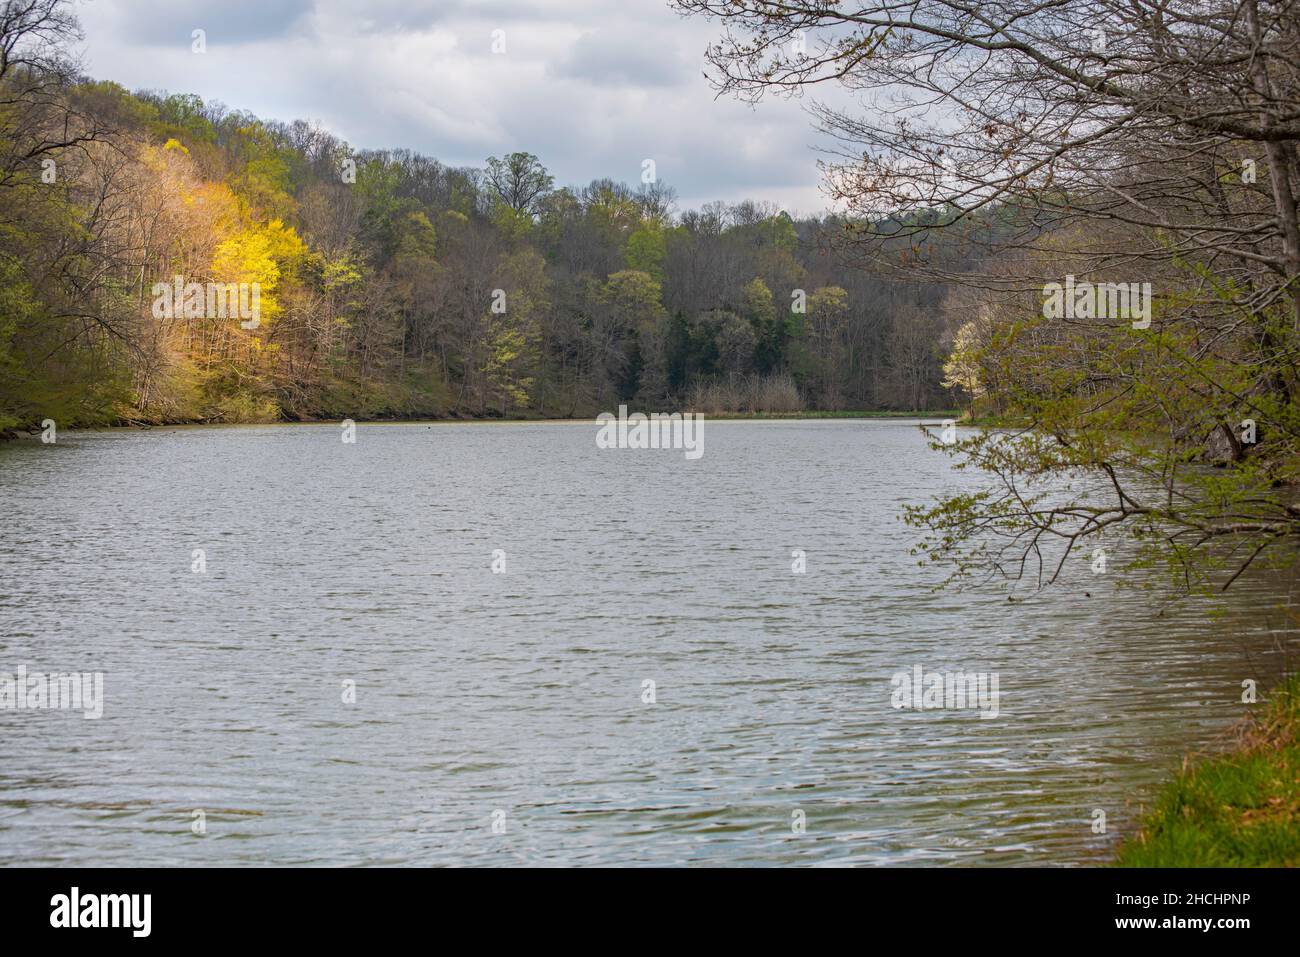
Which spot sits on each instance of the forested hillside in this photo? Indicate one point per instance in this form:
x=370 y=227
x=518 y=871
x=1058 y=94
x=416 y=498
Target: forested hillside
x=390 y=284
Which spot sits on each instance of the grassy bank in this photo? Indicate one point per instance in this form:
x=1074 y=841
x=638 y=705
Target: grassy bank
x=1241 y=809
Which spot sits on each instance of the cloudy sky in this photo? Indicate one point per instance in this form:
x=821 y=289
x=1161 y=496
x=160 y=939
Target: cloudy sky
x=593 y=87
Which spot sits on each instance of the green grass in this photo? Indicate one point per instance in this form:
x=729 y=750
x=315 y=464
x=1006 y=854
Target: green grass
x=1238 y=810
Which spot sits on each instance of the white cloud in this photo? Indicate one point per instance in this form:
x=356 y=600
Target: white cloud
x=591 y=88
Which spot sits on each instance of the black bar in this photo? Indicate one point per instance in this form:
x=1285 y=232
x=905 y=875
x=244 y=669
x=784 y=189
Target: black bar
x=335 y=906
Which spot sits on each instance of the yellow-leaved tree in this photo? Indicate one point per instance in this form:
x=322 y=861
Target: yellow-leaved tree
x=259 y=254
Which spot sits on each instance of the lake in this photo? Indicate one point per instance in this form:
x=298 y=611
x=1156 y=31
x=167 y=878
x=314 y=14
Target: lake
x=306 y=641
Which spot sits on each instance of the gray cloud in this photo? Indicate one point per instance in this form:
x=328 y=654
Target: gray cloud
x=382 y=16
x=592 y=88
x=606 y=57
x=158 y=22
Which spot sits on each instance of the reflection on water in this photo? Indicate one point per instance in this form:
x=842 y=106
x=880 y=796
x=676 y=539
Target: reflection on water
x=478 y=693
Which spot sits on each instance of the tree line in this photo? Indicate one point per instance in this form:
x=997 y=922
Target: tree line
x=390 y=284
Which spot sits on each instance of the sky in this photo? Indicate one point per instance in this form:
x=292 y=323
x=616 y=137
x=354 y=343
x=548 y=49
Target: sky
x=592 y=87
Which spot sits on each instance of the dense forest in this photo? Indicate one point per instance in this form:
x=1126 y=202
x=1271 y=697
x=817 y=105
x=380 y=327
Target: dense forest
x=391 y=285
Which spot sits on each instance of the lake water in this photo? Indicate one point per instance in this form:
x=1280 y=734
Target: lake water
x=499 y=718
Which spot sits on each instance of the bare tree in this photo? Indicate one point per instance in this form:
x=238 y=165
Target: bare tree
x=1101 y=140
x=519 y=180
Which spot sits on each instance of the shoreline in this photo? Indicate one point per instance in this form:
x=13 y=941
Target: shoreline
x=33 y=433
x=1237 y=808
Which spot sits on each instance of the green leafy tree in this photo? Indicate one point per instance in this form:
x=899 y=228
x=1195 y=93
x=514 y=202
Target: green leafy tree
x=646 y=249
